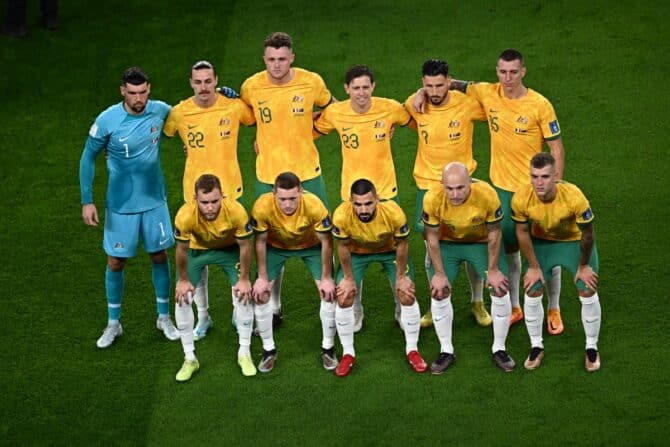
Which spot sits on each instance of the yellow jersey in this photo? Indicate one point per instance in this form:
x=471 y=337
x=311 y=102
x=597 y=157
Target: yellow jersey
x=557 y=220
x=210 y=136
x=518 y=129
x=284 y=123
x=445 y=135
x=465 y=222
x=377 y=236
x=293 y=232
x=231 y=223
x=366 y=144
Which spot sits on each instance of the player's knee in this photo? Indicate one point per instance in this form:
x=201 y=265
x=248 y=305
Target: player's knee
x=586 y=293
x=160 y=257
x=535 y=291
x=116 y=264
x=346 y=301
x=405 y=300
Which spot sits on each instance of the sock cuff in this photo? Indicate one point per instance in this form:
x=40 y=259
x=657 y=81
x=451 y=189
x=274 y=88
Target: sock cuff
x=589 y=299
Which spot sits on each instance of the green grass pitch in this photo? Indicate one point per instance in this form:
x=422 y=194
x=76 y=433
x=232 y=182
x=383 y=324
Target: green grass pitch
x=604 y=66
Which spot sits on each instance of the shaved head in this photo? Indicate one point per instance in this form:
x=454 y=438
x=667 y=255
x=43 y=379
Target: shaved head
x=456 y=182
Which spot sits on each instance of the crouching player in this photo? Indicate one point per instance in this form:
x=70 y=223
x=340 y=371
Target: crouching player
x=372 y=231
x=462 y=224
x=554 y=225
x=213 y=230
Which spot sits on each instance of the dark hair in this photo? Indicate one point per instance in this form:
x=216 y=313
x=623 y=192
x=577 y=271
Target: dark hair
x=207 y=183
x=356 y=72
x=435 y=67
x=278 y=40
x=287 y=180
x=542 y=159
x=510 y=55
x=363 y=186
x=202 y=65
x=134 y=76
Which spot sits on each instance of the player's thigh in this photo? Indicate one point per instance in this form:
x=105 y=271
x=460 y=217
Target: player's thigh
x=452 y=259
x=359 y=264
x=477 y=256
x=156 y=229
x=317 y=187
x=275 y=260
x=418 y=213
x=121 y=234
x=507 y=224
x=311 y=257
x=227 y=259
x=563 y=253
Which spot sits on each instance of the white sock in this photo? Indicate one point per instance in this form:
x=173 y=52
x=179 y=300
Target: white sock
x=327 y=315
x=534 y=316
x=410 y=316
x=514 y=276
x=358 y=298
x=443 y=317
x=244 y=317
x=501 y=308
x=183 y=315
x=263 y=313
x=476 y=283
x=201 y=296
x=275 y=294
x=591 y=315
x=112 y=322
x=344 y=316
x=554 y=288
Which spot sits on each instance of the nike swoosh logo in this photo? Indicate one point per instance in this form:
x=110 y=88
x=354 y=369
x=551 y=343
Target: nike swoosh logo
x=344 y=129
x=161 y=242
x=191 y=127
x=262 y=102
x=592 y=320
x=121 y=140
x=503 y=316
x=437 y=318
x=339 y=323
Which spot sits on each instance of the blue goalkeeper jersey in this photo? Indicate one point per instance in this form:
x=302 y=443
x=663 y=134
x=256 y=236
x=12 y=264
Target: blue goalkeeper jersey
x=136 y=181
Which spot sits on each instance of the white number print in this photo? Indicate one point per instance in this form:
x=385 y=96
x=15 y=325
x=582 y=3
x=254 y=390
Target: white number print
x=125 y=145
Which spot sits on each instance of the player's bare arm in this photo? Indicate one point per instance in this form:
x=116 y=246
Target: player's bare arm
x=242 y=289
x=584 y=270
x=326 y=284
x=262 y=286
x=439 y=284
x=403 y=284
x=558 y=152
x=184 y=289
x=534 y=272
x=495 y=279
x=346 y=289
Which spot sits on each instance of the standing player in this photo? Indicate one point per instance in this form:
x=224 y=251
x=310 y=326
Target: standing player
x=215 y=230
x=364 y=124
x=372 y=231
x=208 y=124
x=520 y=122
x=462 y=224
x=561 y=233
x=136 y=204
x=445 y=131
x=291 y=223
x=283 y=98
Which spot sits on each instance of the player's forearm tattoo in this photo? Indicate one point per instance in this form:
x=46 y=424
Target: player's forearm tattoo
x=459 y=85
x=586 y=244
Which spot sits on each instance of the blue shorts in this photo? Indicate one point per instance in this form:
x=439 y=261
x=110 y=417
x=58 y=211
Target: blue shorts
x=123 y=232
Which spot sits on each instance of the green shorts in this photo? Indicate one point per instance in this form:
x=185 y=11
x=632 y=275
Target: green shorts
x=277 y=257
x=550 y=254
x=418 y=222
x=508 y=225
x=228 y=259
x=315 y=185
x=476 y=254
x=360 y=263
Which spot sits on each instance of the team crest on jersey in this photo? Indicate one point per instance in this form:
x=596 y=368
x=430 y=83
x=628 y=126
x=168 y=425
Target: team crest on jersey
x=379 y=124
x=224 y=134
x=587 y=215
x=454 y=136
x=380 y=136
x=298 y=98
x=520 y=131
x=326 y=222
x=522 y=120
x=553 y=126
x=118 y=246
x=154 y=129
x=499 y=212
x=454 y=123
x=224 y=122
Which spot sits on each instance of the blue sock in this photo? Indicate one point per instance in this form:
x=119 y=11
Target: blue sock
x=114 y=291
x=160 y=275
